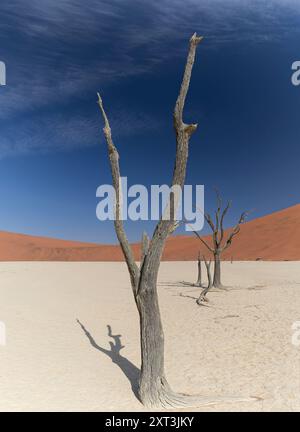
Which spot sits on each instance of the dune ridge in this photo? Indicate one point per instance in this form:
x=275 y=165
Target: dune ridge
x=275 y=237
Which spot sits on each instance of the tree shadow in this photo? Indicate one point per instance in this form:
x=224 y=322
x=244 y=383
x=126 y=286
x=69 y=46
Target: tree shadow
x=193 y=298
x=131 y=372
x=249 y=288
x=179 y=284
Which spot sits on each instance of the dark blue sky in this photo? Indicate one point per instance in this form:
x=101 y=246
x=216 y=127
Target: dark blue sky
x=59 y=54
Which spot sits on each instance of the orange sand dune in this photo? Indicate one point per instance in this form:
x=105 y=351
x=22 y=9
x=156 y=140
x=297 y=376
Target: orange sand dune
x=272 y=237
x=275 y=237
x=21 y=247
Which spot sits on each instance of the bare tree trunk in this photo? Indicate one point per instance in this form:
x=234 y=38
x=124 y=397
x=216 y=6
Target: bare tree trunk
x=153 y=385
x=202 y=296
x=217 y=270
x=199 y=279
x=209 y=278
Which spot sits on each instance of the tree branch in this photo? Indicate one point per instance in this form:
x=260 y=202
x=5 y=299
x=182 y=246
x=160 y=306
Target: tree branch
x=209 y=221
x=218 y=211
x=235 y=230
x=222 y=221
x=202 y=240
x=116 y=179
x=183 y=134
x=178 y=111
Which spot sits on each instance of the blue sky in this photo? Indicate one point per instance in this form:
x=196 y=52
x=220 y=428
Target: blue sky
x=59 y=54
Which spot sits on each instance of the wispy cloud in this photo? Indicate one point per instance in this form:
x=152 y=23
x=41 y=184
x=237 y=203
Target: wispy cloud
x=46 y=133
x=58 y=51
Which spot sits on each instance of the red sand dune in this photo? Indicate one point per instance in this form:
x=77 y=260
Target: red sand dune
x=275 y=237
x=272 y=237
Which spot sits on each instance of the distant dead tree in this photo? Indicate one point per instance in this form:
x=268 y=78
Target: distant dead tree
x=219 y=243
x=154 y=390
x=202 y=298
x=199 y=278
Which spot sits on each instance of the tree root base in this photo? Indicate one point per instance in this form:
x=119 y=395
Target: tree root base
x=167 y=399
x=177 y=400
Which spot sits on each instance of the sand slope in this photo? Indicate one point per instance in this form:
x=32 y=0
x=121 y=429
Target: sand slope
x=21 y=247
x=240 y=345
x=272 y=237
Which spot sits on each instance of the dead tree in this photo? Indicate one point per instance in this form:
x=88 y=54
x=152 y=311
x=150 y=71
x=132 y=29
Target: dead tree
x=199 y=278
x=219 y=242
x=202 y=298
x=154 y=390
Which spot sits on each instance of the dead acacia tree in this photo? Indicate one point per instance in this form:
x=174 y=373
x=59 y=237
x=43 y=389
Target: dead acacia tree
x=219 y=242
x=153 y=387
x=154 y=390
x=202 y=298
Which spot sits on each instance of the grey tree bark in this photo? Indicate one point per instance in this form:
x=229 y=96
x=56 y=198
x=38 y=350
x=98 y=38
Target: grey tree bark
x=219 y=243
x=217 y=269
x=202 y=298
x=199 y=278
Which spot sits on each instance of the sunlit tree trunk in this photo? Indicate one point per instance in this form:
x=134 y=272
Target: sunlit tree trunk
x=154 y=390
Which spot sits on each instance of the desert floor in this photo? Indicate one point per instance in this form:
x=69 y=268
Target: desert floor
x=241 y=344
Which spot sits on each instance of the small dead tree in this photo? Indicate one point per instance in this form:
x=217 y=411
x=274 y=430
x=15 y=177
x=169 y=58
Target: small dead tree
x=219 y=242
x=199 y=278
x=154 y=390
x=202 y=298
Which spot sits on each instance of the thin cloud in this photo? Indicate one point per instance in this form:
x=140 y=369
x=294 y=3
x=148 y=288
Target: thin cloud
x=58 y=52
x=51 y=133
